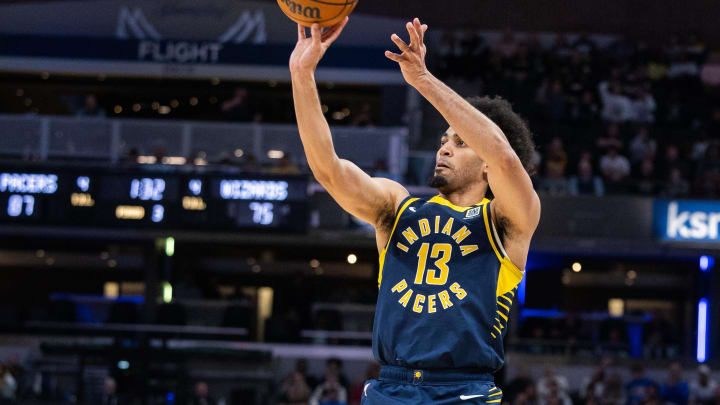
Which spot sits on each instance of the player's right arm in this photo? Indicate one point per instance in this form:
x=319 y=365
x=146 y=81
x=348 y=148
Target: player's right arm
x=372 y=199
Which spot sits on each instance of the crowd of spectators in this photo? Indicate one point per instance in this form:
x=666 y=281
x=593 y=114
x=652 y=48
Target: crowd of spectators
x=608 y=385
x=626 y=117
x=646 y=335
x=302 y=388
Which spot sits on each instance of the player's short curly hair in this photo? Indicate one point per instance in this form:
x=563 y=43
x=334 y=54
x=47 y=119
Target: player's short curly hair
x=513 y=126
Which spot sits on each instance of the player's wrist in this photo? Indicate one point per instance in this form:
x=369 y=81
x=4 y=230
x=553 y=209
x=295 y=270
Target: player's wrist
x=302 y=75
x=423 y=81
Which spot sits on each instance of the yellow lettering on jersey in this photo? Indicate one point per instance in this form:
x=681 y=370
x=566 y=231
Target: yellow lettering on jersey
x=406 y=298
x=437 y=224
x=431 y=304
x=403 y=247
x=400 y=287
x=461 y=234
x=410 y=235
x=467 y=249
x=424 y=227
x=417 y=307
x=459 y=292
x=448 y=227
x=445 y=299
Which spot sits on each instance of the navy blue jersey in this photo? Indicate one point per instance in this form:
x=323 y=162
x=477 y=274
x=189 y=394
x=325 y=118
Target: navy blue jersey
x=446 y=287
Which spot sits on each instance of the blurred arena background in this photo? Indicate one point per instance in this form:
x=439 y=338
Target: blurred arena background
x=163 y=242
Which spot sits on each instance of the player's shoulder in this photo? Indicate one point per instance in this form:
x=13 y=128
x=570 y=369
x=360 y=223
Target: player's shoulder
x=395 y=194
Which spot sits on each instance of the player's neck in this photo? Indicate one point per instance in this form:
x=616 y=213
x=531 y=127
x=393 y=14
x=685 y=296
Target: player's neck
x=466 y=197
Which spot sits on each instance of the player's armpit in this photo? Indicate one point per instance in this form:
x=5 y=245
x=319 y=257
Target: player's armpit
x=369 y=198
x=514 y=196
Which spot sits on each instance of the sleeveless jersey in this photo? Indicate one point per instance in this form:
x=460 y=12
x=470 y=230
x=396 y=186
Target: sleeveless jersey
x=446 y=288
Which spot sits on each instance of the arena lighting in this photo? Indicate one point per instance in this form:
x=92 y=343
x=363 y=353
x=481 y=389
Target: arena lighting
x=706 y=262
x=167 y=292
x=276 y=154
x=702 y=330
x=352 y=259
x=170 y=246
x=123 y=364
x=576 y=267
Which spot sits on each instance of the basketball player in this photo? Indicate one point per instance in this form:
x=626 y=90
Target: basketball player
x=450 y=265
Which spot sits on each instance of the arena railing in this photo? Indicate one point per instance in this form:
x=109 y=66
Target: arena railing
x=108 y=139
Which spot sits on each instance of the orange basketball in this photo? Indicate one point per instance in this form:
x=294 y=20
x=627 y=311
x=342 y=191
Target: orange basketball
x=324 y=12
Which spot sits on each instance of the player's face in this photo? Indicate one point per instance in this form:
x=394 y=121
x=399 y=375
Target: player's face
x=456 y=165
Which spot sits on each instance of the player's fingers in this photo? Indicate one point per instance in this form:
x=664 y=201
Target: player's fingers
x=424 y=28
x=414 y=38
x=393 y=56
x=418 y=29
x=301 y=32
x=331 y=35
x=316 y=33
x=399 y=42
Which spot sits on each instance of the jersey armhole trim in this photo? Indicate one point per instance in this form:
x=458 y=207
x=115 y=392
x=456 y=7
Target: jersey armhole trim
x=495 y=237
x=403 y=205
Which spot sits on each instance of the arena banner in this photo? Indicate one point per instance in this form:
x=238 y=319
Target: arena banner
x=686 y=220
x=187 y=58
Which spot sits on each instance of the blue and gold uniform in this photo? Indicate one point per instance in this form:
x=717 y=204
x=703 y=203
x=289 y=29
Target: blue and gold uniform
x=446 y=288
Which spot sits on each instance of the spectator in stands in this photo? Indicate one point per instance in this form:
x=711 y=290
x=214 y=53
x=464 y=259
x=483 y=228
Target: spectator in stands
x=652 y=395
x=617 y=107
x=611 y=139
x=295 y=391
x=676 y=186
x=675 y=391
x=614 y=393
x=703 y=388
x=8 y=385
x=636 y=388
x=371 y=373
x=91 y=108
x=710 y=72
x=671 y=160
x=585 y=110
x=329 y=392
x=555 y=396
x=615 y=169
x=646 y=182
x=585 y=182
x=555 y=165
x=202 y=395
x=301 y=366
x=593 y=387
x=506 y=45
x=708 y=172
x=523 y=391
x=110 y=395
x=643 y=107
x=551 y=381
x=682 y=66
x=642 y=146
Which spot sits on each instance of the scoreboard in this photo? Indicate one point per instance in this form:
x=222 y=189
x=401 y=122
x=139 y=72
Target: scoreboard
x=162 y=197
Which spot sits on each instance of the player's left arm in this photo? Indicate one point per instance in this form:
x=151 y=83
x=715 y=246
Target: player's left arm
x=515 y=203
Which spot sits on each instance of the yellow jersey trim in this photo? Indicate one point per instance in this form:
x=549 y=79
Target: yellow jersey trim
x=486 y=216
x=442 y=201
x=384 y=251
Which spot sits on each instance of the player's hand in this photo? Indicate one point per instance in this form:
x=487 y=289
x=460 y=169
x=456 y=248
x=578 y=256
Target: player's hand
x=309 y=51
x=412 y=59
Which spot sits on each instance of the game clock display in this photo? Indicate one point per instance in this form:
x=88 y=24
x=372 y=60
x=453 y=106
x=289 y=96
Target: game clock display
x=147 y=199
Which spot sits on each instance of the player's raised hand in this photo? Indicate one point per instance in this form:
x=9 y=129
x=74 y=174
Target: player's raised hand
x=309 y=51
x=412 y=59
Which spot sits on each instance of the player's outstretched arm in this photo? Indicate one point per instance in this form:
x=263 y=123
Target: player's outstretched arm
x=371 y=199
x=515 y=197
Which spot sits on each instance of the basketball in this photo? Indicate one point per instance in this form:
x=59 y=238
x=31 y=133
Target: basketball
x=324 y=12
